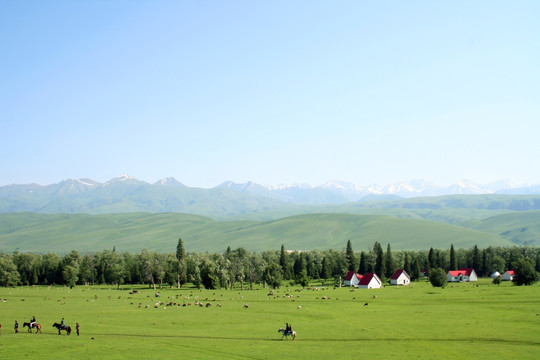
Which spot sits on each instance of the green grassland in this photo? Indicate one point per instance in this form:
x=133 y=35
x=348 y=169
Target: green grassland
x=160 y=232
x=520 y=227
x=462 y=321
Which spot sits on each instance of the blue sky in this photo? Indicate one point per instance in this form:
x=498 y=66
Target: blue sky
x=273 y=92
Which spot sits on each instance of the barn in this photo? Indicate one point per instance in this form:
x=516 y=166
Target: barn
x=352 y=279
x=370 y=281
x=400 y=277
x=508 y=275
x=462 y=275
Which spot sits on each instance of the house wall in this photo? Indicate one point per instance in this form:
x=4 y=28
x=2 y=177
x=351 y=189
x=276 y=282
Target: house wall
x=401 y=280
x=507 y=277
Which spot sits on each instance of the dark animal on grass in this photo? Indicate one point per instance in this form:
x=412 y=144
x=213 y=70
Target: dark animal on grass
x=285 y=333
x=59 y=327
x=30 y=327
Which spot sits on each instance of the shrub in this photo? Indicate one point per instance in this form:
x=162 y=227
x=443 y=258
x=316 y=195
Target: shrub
x=525 y=273
x=438 y=278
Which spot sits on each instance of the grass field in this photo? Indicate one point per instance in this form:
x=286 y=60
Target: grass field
x=462 y=321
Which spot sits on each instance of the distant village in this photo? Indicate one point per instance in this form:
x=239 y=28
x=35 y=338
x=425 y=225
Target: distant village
x=400 y=277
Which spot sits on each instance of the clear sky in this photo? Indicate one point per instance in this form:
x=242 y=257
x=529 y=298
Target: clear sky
x=270 y=91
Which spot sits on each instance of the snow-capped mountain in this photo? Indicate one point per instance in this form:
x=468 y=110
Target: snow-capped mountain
x=340 y=191
x=127 y=194
x=169 y=181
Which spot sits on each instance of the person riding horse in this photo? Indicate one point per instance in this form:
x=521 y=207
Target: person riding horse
x=33 y=322
x=63 y=324
x=288 y=329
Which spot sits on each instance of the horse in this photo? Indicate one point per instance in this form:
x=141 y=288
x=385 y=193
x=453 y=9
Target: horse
x=286 y=334
x=59 y=327
x=37 y=326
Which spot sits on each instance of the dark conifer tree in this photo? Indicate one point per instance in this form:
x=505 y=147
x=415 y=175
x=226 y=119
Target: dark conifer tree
x=407 y=264
x=476 y=259
x=180 y=252
x=380 y=268
x=389 y=263
x=326 y=271
x=484 y=271
x=416 y=269
x=363 y=267
x=350 y=259
x=432 y=261
x=283 y=262
x=453 y=260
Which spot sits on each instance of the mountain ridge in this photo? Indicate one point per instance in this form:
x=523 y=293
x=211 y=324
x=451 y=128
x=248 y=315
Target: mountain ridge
x=128 y=194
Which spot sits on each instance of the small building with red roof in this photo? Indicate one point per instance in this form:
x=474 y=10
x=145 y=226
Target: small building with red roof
x=508 y=275
x=462 y=275
x=370 y=281
x=400 y=277
x=352 y=279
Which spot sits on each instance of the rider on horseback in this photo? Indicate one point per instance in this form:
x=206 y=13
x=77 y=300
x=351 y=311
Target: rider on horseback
x=63 y=324
x=33 y=323
x=288 y=329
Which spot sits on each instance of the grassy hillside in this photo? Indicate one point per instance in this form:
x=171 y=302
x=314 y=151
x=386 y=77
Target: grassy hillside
x=160 y=231
x=518 y=227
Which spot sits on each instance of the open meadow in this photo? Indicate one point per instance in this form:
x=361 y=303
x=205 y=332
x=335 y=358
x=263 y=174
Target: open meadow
x=461 y=321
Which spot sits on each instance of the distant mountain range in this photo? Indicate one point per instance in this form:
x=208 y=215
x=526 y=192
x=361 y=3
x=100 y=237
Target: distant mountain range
x=128 y=194
x=339 y=192
x=411 y=215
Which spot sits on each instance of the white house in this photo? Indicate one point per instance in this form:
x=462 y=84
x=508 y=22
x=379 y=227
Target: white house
x=400 y=277
x=370 y=281
x=508 y=276
x=461 y=275
x=352 y=279
x=495 y=274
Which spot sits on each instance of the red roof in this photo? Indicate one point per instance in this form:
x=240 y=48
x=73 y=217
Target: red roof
x=464 y=272
x=510 y=272
x=359 y=277
x=349 y=275
x=398 y=273
x=366 y=279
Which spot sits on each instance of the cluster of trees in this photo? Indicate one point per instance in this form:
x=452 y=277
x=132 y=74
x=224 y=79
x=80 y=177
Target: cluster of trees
x=242 y=268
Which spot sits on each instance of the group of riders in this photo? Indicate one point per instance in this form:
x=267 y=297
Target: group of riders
x=33 y=324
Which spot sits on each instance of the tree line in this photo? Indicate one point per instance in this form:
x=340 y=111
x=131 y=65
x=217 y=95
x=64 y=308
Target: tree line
x=242 y=268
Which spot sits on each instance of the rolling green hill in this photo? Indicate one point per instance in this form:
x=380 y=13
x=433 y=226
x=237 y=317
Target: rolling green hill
x=518 y=227
x=160 y=231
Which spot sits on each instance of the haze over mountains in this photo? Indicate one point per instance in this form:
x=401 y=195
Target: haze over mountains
x=169 y=194
x=137 y=214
